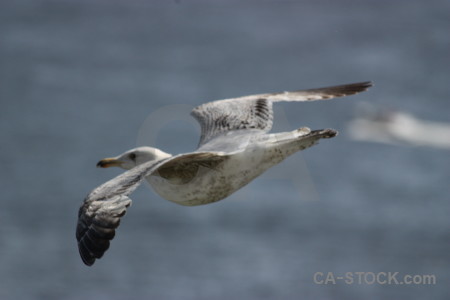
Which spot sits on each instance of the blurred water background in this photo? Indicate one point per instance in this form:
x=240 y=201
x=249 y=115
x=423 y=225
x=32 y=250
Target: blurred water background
x=83 y=80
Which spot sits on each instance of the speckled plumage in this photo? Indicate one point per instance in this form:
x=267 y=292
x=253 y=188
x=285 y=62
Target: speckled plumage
x=235 y=147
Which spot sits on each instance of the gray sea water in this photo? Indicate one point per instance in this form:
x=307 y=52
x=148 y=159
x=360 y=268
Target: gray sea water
x=83 y=80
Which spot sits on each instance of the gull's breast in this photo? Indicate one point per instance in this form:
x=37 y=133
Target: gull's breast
x=203 y=184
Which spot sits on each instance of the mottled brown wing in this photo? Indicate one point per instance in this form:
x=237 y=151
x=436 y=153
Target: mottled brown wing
x=99 y=215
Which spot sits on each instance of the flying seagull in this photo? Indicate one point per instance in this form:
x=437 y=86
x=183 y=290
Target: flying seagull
x=235 y=147
x=395 y=127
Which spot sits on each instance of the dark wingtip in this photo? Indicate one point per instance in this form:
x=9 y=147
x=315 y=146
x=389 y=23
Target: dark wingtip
x=87 y=259
x=367 y=84
x=354 y=88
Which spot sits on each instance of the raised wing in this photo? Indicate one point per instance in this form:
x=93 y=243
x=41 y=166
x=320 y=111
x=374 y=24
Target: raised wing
x=324 y=93
x=255 y=111
x=100 y=213
x=251 y=112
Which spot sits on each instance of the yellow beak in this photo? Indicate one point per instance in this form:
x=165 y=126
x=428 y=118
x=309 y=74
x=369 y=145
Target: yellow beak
x=109 y=162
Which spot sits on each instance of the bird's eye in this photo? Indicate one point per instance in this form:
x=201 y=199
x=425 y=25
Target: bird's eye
x=132 y=156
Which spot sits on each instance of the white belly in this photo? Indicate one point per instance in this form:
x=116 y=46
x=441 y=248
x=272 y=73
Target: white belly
x=211 y=185
x=214 y=184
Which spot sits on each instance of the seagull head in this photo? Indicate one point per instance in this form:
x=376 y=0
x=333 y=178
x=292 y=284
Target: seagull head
x=133 y=158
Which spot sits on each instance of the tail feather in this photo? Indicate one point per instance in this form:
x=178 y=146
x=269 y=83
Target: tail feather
x=313 y=138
